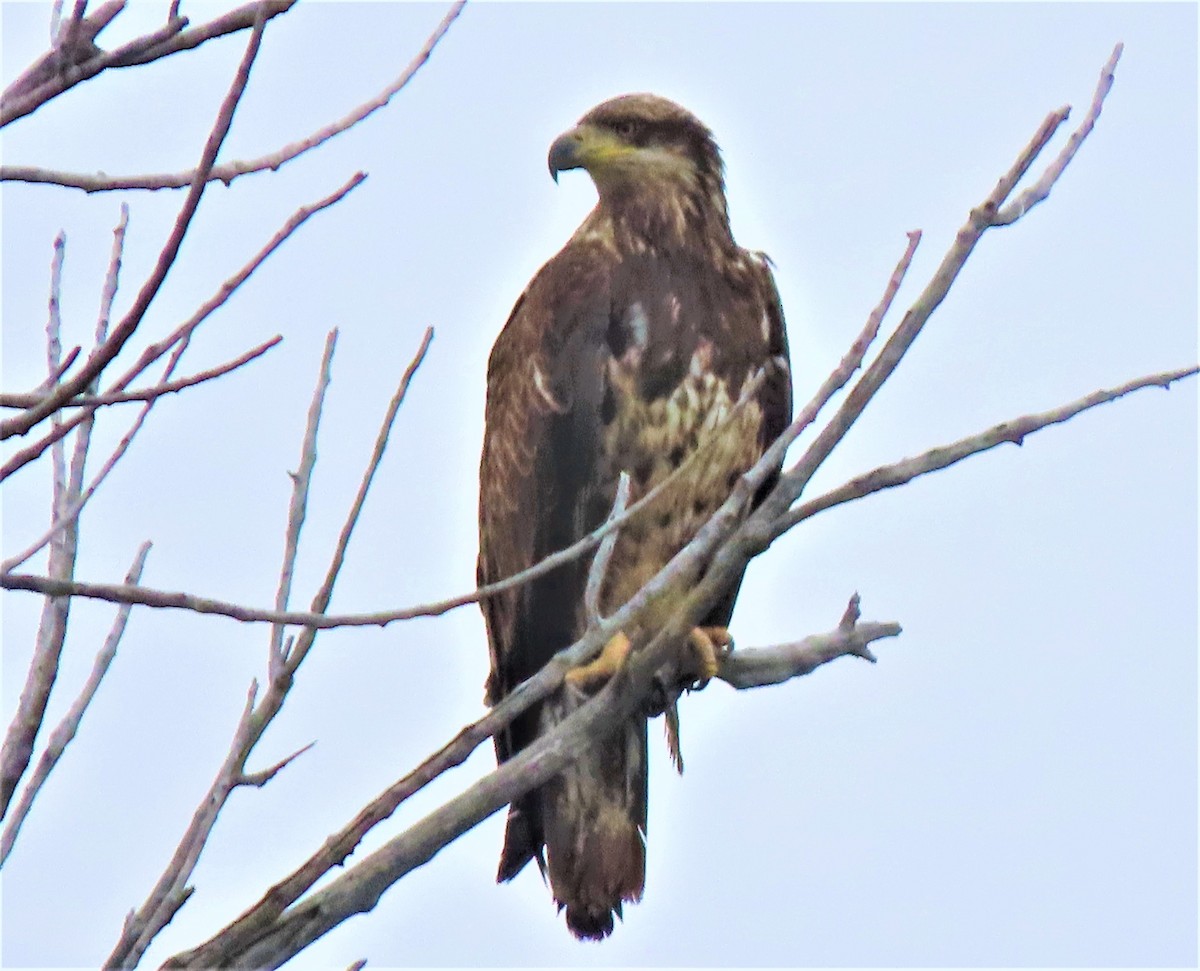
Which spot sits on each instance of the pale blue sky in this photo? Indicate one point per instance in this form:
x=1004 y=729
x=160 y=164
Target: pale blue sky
x=1013 y=784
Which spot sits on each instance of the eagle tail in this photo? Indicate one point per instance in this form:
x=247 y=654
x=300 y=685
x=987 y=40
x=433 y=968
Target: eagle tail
x=594 y=820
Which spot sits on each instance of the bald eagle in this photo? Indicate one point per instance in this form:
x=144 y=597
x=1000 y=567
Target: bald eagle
x=626 y=352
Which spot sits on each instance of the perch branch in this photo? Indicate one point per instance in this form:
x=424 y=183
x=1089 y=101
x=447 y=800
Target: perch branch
x=260 y=941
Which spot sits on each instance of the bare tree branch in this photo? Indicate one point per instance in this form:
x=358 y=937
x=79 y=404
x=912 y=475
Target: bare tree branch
x=178 y=339
x=269 y=943
x=76 y=68
x=261 y=778
x=757 y=667
x=76 y=58
x=105 y=353
x=65 y=51
x=65 y=731
x=258 y=717
x=1040 y=190
x=1014 y=431
x=298 y=507
x=167 y=895
x=228 y=171
x=22 y=731
x=599 y=568
x=28 y=399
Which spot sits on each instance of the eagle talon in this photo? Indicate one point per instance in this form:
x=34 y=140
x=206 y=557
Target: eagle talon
x=596 y=673
x=710 y=645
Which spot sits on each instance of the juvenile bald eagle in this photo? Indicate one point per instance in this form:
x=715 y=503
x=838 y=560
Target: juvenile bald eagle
x=626 y=352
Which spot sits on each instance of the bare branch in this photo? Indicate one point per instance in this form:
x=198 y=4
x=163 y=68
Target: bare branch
x=1040 y=190
x=166 y=898
x=228 y=171
x=27 y=399
x=795 y=479
x=76 y=58
x=599 y=567
x=76 y=68
x=299 y=503
x=228 y=23
x=759 y=666
x=255 y=722
x=260 y=779
x=180 y=337
x=105 y=353
x=22 y=731
x=1014 y=431
x=172 y=892
x=269 y=935
x=65 y=51
x=65 y=731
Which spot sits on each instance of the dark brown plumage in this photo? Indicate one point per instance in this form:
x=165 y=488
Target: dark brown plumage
x=627 y=350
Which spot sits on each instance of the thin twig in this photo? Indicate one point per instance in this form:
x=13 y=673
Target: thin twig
x=171 y=891
x=228 y=171
x=65 y=731
x=298 y=507
x=935 y=459
x=1040 y=190
x=599 y=567
x=25 y=400
x=261 y=778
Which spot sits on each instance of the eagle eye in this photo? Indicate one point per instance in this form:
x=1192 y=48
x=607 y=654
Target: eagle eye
x=626 y=129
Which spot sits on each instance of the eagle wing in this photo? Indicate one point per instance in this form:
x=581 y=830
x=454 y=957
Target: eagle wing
x=540 y=490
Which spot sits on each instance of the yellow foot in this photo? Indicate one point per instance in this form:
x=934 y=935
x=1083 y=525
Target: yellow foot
x=595 y=673
x=709 y=644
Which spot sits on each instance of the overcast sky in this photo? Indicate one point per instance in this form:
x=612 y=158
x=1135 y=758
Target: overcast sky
x=1014 y=783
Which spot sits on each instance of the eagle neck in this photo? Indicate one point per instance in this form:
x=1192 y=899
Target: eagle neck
x=667 y=219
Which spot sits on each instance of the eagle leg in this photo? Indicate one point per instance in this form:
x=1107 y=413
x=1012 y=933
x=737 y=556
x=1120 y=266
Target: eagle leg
x=594 y=674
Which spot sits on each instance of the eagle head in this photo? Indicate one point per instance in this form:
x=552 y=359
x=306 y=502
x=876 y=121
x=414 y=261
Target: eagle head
x=641 y=142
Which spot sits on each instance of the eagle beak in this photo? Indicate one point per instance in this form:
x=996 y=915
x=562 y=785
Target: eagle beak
x=565 y=153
